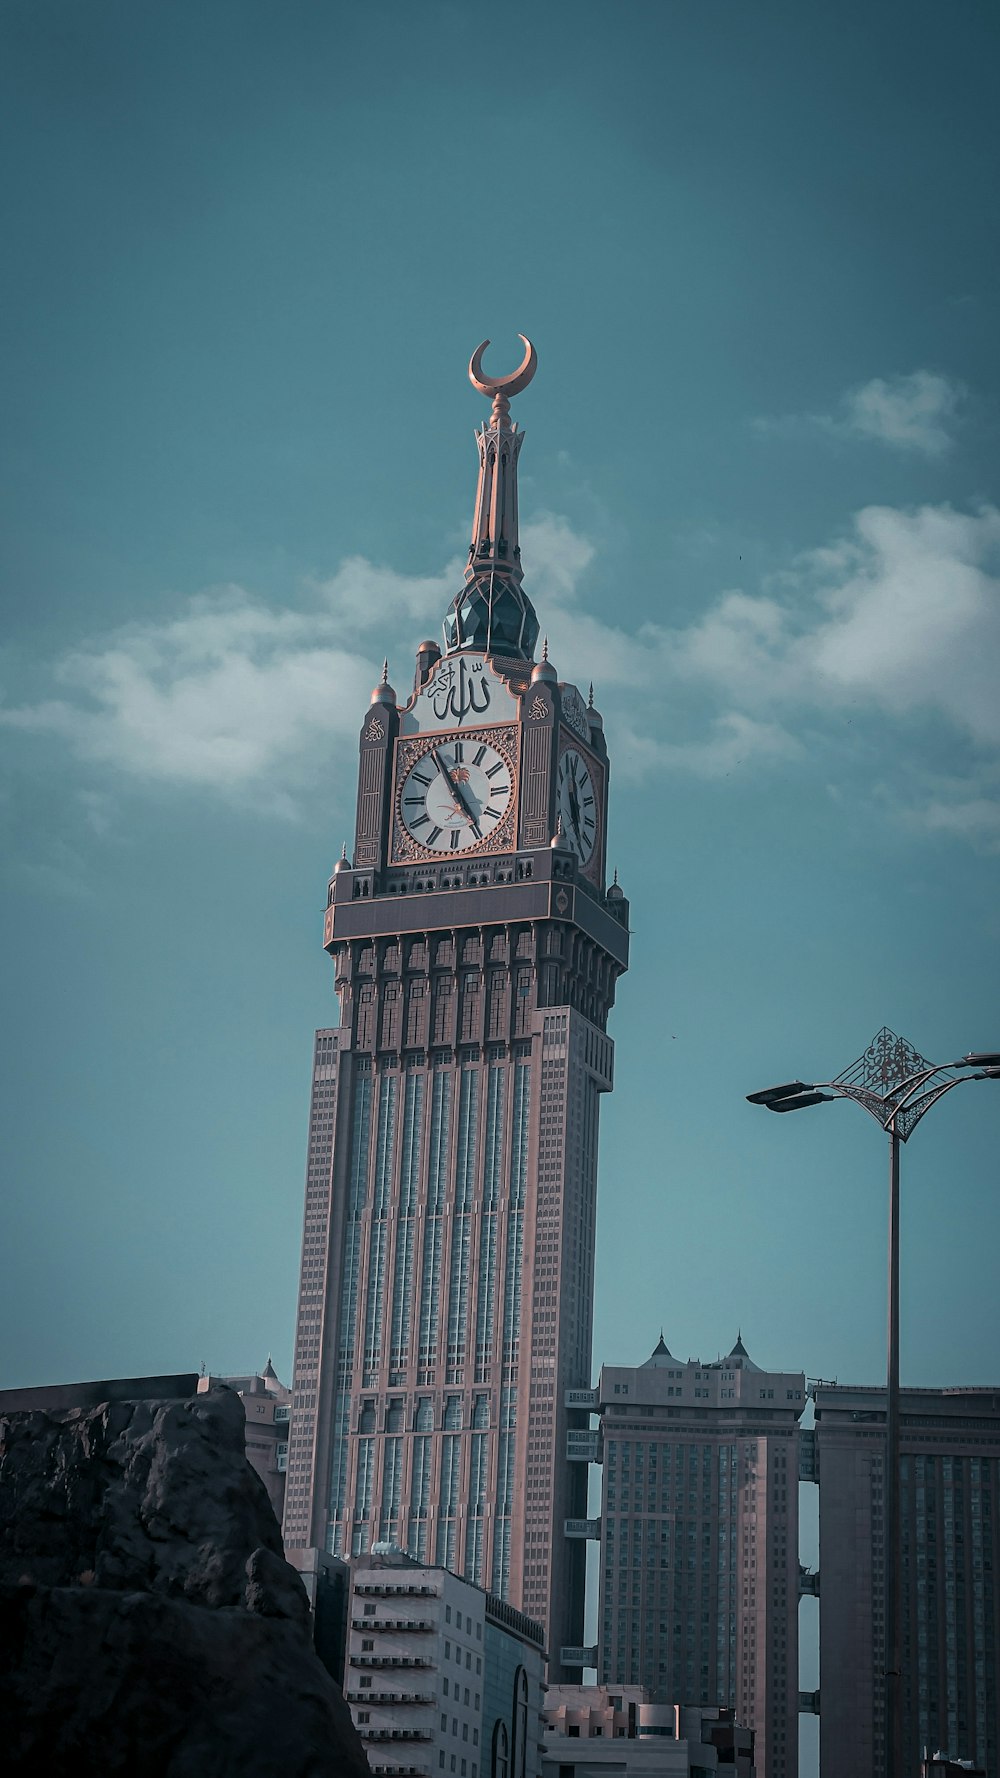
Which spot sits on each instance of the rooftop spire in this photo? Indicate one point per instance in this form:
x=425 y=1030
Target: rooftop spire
x=491 y=613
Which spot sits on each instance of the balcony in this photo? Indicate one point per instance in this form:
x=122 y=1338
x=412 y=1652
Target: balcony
x=368 y=1734
x=392 y=1623
x=581 y=1398
x=406 y=1662
x=390 y=1697
x=581 y=1447
x=583 y=1528
x=383 y=1591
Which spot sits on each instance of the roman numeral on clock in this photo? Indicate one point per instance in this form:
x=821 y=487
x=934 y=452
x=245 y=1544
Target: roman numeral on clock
x=495 y=769
x=419 y=778
x=477 y=758
x=421 y=821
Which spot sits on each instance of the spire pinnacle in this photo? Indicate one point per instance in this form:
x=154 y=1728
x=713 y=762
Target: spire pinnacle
x=545 y=648
x=590 y=698
x=385 y=671
x=491 y=614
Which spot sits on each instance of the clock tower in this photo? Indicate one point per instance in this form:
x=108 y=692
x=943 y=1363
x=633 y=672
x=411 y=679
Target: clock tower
x=446 y=1295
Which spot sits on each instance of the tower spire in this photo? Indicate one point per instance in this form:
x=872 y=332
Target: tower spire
x=492 y=613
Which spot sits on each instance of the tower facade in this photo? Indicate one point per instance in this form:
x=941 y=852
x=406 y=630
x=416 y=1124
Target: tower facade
x=446 y=1292
x=950 y=1537
x=699 y=1539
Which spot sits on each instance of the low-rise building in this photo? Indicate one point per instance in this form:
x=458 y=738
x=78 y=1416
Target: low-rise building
x=267 y=1404
x=596 y=1731
x=441 y=1677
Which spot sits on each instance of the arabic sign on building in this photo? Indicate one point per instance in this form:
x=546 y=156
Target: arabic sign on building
x=463 y=689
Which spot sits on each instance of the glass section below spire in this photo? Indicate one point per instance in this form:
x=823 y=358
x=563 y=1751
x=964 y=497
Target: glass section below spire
x=493 y=617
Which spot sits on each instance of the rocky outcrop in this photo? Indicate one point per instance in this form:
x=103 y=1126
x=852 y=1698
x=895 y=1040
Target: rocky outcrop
x=149 y=1624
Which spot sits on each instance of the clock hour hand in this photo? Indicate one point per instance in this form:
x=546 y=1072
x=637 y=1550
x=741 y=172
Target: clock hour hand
x=457 y=794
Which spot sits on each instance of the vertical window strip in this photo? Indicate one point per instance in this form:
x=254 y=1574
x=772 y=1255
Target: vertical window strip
x=363 y=1485
x=392 y=1478
x=458 y=1289
x=430 y=1291
x=445 y=1556
x=409 y=1160
x=512 y=1286
x=402 y=1296
x=519 y=1134
x=420 y=1494
x=478 y=1471
x=338 y=1472
x=409 y=1175
x=451 y=1462
x=375 y=1293
x=372 y=1353
x=474 y=1553
x=515 y=1230
x=501 y=1559
x=357 y=1193
x=495 y=1108
x=383 y=1151
x=486 y=1293
x=437 y=1173
x=468 y=1120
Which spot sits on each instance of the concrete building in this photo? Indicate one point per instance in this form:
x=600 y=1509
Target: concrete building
x=699 y=1568
x=623 y=1732
x=446 y=1294
x=267 y=1404
x=950 y=1522
x=441 y=1677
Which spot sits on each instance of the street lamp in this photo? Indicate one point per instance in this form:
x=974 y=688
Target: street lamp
x=897 y=1086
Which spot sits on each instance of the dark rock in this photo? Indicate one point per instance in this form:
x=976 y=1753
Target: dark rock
x=149 y=1625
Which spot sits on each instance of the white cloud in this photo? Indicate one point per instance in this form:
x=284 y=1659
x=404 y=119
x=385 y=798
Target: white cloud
x=897 y=621
x=911 y=412
x=915 y=412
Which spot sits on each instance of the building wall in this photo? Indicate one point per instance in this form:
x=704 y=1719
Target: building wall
x=699 y=1541
x=434 y=1666
x=592 y=1731
x=950 y=1524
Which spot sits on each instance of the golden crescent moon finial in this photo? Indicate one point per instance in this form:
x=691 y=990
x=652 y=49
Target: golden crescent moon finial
x=506 y=386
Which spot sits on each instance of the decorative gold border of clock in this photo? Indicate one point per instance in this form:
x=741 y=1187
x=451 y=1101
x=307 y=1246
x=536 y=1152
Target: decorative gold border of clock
x=569 y=742
x=411 y=748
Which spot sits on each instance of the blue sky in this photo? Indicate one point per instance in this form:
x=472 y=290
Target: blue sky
x=249 y=250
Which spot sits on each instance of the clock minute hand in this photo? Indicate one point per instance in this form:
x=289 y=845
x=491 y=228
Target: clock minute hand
x=455 y=789
x=574 y=810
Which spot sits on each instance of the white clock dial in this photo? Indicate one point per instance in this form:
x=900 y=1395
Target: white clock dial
x=576 y=803
x=455 y=794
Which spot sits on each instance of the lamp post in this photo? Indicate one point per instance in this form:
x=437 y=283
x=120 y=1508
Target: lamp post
x=897 y=1086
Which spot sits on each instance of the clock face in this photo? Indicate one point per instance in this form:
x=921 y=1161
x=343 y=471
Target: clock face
x=576 y=803
x=455 y=794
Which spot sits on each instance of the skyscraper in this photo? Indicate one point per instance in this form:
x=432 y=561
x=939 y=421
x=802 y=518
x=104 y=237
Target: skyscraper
x=699 y=1539
x=950 y=1537
x=446 y=1291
